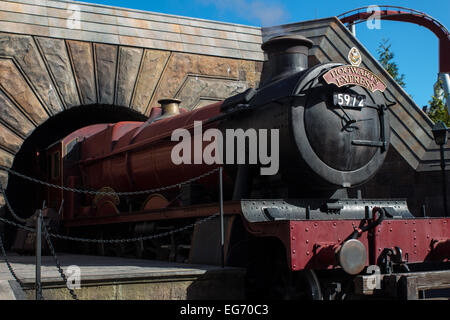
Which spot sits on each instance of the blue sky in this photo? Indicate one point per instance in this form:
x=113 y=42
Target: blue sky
x=415 y=47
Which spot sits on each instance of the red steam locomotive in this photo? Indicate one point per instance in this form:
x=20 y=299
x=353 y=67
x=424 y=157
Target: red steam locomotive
x=296 y=231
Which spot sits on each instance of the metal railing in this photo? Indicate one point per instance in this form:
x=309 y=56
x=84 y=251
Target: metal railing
x=41 y=226
x=92 y=192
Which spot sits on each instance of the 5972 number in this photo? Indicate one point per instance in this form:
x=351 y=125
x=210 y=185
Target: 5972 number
x=348 y=100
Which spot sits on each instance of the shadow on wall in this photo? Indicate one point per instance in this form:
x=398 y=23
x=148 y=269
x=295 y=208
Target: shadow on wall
x=219 y=284
x=396 y=179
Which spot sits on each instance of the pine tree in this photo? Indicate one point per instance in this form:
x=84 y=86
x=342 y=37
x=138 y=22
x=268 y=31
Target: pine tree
x=438 y=106
x=385 y=57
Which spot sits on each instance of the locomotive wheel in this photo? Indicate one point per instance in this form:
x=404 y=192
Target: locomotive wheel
x=336 y=285
x=300 y=285
x=311 y=284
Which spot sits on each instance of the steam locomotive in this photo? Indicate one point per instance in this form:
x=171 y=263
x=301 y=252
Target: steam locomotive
x=297 y=231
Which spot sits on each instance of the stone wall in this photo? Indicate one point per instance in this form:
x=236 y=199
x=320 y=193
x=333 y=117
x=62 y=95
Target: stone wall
x=109 y=56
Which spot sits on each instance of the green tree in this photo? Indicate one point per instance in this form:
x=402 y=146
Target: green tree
x=438 y=106
x=385 y=57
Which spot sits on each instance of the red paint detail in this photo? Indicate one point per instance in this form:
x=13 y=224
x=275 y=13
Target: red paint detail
x=323 y=243
x=86 y=132
x=403 y=236
x=131 y=157
x=134 y=156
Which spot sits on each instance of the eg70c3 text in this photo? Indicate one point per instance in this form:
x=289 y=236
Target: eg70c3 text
x=246 y=309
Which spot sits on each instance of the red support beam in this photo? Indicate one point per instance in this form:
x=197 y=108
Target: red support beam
x=406 y=15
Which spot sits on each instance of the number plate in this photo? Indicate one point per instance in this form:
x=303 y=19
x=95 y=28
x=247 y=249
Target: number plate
x=348 y=100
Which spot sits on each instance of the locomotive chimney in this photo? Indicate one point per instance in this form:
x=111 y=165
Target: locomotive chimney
x=286 y=54
x=169 y=107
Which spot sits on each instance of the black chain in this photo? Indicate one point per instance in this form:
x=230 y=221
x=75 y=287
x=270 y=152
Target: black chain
x=48 y=235
x=155 y=236
x=11 y=270
x=58 y=264
x=141 y=238
x=160 y=235
x=91 y=192
x=17 y=225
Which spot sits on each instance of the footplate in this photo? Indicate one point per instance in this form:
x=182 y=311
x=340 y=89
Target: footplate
x=318 y=209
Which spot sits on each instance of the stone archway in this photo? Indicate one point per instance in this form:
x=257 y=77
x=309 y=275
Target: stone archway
x=41 y=78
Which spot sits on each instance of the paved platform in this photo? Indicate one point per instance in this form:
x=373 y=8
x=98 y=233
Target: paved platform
x=122 y=278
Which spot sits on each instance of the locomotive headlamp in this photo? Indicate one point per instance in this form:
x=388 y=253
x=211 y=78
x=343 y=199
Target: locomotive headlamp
x=352 y=256
x=440 y=133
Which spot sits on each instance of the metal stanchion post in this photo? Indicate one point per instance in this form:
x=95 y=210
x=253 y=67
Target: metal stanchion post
x=38 y=255
x=222 y=232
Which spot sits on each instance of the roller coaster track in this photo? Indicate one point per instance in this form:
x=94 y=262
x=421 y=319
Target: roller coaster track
x=394 y=13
